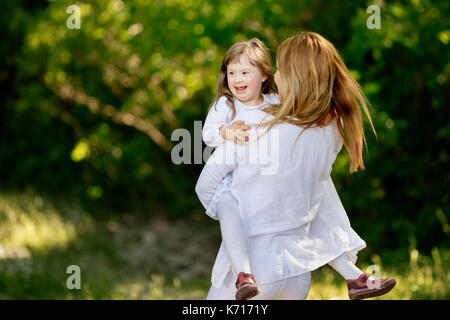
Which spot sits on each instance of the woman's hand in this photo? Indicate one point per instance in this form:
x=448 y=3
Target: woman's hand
x=235 y=132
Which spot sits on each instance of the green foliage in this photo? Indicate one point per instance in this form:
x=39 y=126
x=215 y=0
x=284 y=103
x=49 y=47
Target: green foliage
x=88 y=113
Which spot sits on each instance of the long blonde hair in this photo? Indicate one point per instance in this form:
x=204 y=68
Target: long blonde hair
x=258 y=55
x=316 y=87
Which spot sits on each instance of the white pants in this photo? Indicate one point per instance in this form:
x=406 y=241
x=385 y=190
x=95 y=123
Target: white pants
x=293 y=288
x=234 y=239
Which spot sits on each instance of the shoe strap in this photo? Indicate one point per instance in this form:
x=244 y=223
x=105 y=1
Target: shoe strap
x=244 y=278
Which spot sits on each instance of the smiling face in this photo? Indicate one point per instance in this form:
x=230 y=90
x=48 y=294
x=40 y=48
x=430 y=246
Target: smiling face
x=245 y=81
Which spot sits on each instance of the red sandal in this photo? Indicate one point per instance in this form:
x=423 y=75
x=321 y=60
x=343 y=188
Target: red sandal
x=246 y=286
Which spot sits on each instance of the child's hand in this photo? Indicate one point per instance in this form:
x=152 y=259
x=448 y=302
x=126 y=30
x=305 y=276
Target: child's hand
x=235 y=132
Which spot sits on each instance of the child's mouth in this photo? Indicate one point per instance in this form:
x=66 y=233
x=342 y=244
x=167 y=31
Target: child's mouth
x=240 y=89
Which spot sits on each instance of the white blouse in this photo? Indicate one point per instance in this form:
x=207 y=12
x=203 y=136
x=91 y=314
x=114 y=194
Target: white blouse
x=220 y=114
x=290 y=209
x=279 y=180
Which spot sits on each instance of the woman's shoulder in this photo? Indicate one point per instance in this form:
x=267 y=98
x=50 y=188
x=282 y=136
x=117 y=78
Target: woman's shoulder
x=313 y=138
x=324 y=137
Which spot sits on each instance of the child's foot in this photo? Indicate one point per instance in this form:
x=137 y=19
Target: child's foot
x=246 y=286
x=363 y=287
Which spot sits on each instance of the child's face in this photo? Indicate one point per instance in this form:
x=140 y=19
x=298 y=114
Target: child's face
x=245 y=81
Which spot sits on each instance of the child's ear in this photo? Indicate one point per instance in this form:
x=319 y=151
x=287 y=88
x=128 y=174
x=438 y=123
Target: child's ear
x=264 y=78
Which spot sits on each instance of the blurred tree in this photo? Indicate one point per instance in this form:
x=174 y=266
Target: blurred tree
x=89 y=112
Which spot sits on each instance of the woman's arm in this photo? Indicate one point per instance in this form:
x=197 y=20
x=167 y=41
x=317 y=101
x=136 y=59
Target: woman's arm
x=317 y=155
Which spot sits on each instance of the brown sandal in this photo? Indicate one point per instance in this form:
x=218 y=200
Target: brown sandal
x=362 y=288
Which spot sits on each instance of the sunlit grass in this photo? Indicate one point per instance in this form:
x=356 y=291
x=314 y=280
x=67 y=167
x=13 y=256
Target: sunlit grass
x=130 y=257
x=423 y=279
x=126 y=257
x=161 y=287
x=27 y=221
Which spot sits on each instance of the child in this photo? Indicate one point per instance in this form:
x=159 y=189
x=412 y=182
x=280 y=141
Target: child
x=245 y=85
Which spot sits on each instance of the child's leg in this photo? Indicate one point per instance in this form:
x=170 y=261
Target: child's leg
x=360 y=284
x=345 y=267
x=233 y=235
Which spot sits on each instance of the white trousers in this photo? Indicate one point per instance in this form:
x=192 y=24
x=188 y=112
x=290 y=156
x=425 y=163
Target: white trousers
x=234 y=239
x=293 y=288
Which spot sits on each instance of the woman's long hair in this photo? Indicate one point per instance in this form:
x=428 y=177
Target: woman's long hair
x=316 y=86
x=257 y=54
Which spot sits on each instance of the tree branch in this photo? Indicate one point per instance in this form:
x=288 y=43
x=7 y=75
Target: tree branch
x=67 y=92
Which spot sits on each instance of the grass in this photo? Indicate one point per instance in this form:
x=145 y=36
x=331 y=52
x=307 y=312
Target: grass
x=148 y=257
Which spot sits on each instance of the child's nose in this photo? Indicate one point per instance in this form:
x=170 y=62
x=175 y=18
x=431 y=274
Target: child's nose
x=238 y=78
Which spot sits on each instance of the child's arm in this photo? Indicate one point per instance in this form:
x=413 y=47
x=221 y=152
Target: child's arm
x=216 y=128
x=219 y=115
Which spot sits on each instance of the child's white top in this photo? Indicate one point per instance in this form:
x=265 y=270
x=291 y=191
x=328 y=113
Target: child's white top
x=220 y=114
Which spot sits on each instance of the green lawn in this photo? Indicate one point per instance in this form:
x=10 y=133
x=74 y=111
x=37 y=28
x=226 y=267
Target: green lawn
x=133 y=257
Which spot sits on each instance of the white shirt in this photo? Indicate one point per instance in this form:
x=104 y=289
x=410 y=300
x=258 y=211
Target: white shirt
x=291 y=212
x=220 y=114
x=278 y=181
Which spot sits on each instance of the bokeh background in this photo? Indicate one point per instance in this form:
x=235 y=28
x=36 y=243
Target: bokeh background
x=86 y=119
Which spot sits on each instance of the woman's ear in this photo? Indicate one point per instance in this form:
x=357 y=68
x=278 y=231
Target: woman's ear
x=264 y=78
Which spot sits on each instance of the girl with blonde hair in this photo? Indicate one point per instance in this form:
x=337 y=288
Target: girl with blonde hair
x=245 y=85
